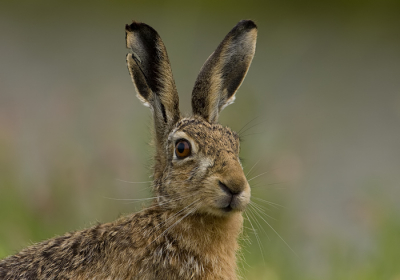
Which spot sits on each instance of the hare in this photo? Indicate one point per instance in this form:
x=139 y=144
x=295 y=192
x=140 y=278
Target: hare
x=191 y=229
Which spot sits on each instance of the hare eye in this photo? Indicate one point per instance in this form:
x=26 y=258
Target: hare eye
x=182 y=149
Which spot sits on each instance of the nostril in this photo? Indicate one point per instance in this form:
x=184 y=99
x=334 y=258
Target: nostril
x=227 y=190
x=224 y=187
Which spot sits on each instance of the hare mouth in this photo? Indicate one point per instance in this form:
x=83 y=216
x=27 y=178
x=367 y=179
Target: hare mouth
x=231 y=203
x=231 y=200
x=227 y=209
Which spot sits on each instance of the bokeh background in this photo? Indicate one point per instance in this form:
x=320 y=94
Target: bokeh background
x=321 y=106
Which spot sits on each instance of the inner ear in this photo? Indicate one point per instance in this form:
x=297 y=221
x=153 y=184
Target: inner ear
x=151 y=74
x=224 y=71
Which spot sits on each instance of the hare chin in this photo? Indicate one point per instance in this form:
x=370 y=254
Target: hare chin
x=220 y=208
x=222 y=212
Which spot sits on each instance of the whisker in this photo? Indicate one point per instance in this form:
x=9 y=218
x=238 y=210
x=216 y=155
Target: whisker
x=133 y=200
x=260 y=209
x=259 y=225
x=256 y=234
x=258 y=185
x=247 y=228
x=269 y=202
x=240 y=131
x=160 y=204
x=254 y=133
x=258 y=176
x=247 y=129
x=278 y=235
x=252 y=168
x=130 y=182
x=130 y=199
x=173 y=216
x=263 y=207
x=174 y=224
x=256 y=221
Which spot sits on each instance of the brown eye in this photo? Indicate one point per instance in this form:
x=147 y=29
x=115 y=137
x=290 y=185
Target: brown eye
x=182 y=149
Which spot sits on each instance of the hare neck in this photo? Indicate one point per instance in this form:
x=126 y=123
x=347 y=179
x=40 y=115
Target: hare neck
x=210 y=230
x=213 y=238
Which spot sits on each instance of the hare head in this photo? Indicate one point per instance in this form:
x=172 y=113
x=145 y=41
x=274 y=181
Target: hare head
x=197 y=160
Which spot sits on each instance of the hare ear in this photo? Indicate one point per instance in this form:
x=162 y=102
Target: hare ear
x=151 y=74
x=224 y=71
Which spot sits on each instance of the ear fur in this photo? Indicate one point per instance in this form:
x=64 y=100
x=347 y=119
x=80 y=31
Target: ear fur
x=223 y=72
x=150 y=70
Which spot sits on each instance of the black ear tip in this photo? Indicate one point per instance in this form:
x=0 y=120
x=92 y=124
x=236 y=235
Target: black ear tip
x=135 y=25
x=141 y=28
x=247 y=24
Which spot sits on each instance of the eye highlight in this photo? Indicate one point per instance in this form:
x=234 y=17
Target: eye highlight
x=182 y=149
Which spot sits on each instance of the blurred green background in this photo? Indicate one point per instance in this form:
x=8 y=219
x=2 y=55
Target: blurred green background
x=322 y=97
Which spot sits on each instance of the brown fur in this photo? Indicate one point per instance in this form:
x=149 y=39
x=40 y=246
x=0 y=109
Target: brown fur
x=191 y=229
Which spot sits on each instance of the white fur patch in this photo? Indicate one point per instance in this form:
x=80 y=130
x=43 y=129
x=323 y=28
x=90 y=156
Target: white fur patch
x=205 y=163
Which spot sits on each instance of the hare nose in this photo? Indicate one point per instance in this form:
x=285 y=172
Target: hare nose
x=233 y=181
x=227 y=190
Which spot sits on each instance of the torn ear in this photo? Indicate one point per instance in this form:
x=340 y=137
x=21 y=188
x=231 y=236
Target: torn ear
x=150 y=70
x=223 y=72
